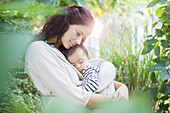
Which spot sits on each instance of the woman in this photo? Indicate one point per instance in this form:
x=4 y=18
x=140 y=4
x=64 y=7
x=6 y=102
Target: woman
x=51 y=73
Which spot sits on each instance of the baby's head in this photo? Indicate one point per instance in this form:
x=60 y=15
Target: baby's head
x=78 y=56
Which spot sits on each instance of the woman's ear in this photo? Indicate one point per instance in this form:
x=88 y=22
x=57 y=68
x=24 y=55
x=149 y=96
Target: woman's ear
x=89 y=57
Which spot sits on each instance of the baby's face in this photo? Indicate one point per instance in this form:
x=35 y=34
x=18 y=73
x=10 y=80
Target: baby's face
x=79 y=60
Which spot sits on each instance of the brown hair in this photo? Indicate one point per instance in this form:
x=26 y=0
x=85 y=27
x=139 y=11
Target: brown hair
x=69 y=52
x=58 y=24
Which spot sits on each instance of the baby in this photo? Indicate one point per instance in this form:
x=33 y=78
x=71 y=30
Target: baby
x=79 y=57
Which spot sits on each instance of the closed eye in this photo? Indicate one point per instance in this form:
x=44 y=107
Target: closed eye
x=78 y=33
x=81 y=61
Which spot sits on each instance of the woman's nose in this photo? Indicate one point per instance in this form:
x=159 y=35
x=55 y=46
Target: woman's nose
x=78 y=41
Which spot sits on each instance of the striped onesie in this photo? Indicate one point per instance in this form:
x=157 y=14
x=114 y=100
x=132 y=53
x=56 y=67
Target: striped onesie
x=91 y=74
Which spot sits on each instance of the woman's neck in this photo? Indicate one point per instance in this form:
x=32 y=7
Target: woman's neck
x=53 y=40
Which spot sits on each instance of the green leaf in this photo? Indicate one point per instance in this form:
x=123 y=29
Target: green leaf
x=151 y=41
x=156 y=67
x=153 y=92
x=168 y=37
x=163 y=106
x=148 y=36
x=168 y=20
x=82 y=3
x=154 y=24
x=163 y=1
x=164 y=98
x=167 y=16
x=157 y=51
x=6 y=19
x=147 y=49
x=167 y=92
x=163 y=88
x=160 y=60
x=168 y=9
x=164 y=75
x=153 y=78
x=153 y=3
x=159 y=33
x=165 y=43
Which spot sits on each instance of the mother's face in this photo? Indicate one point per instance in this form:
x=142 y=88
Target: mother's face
x=76 y=34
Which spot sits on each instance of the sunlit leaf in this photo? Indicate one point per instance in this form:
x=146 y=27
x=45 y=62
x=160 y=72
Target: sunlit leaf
x=153 y=3
x=153 y=92
x=157 y=51
x=154 y=24
x=147 y=49
x=148 y=36
x=164 y=75
x=151 y=41
x=156 y=67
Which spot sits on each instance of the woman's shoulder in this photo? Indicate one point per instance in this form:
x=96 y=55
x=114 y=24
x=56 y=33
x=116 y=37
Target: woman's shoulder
x=36 y=44
x=102 y=63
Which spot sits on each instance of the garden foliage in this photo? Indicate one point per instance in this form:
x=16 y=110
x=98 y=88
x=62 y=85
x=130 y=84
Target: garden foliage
x=158 y=44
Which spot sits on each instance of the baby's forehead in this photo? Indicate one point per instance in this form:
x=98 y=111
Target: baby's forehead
x=81 y=51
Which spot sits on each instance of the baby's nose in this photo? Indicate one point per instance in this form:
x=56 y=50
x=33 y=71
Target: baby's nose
x=78 y=41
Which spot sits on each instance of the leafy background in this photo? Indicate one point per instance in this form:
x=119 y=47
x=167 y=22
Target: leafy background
x=143 y=66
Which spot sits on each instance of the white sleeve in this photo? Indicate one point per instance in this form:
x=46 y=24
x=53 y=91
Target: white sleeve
x=53 y=74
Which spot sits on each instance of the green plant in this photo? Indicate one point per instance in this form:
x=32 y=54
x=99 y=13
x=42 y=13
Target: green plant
x=130 y=66
x=18 y=94
x=158 y=44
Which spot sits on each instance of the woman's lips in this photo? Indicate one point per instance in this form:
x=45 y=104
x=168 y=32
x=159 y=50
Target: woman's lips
x=72 y=44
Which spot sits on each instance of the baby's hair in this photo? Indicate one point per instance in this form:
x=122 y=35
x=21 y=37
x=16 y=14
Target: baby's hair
x=69 y=52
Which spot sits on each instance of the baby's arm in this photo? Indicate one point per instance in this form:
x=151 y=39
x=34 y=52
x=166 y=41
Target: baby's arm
x=91 y=73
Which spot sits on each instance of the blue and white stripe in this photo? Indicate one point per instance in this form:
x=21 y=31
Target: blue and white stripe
x=91 y=73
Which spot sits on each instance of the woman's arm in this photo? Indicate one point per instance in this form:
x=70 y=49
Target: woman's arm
x=96 y=99
x=121 y=91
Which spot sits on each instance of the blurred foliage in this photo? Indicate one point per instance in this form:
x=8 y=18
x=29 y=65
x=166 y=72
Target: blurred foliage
x=158 y=44
x=135 y=105
x=18 y=94
x=141 y=73
x=17 y=20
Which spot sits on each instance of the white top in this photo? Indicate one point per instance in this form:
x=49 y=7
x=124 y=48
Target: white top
x=52 y=74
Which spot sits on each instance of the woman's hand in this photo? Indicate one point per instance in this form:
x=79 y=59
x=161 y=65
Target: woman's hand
x=121 y=91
